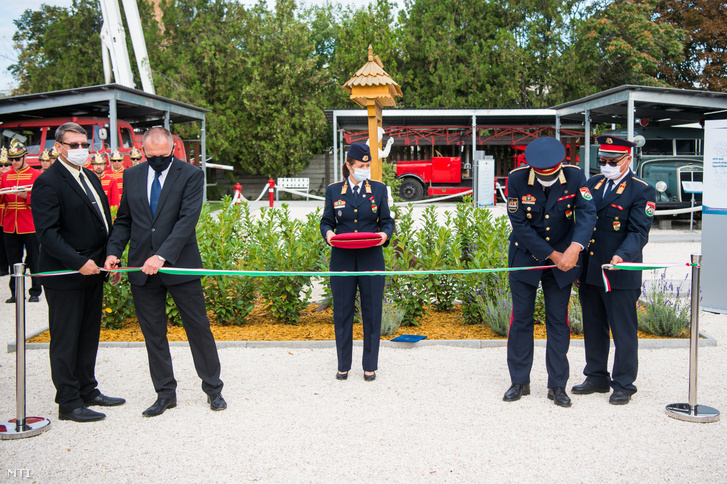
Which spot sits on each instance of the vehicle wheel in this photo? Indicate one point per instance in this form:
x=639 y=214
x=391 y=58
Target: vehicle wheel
x=411 y=190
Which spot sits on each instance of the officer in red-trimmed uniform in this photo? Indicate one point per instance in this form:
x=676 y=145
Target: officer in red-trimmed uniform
x=18 y=226
x=117 y=171
x=626 y=206
x=552 y=216
x=108 y=182
x=4 y=166
x=357 y=204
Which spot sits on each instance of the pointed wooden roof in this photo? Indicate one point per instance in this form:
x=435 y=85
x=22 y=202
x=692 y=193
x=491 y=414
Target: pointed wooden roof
x=368 y=82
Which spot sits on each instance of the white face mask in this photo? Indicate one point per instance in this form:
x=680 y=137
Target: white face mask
x=361 y=175
x=611 y=172
x=77 y=157
x=547 y=183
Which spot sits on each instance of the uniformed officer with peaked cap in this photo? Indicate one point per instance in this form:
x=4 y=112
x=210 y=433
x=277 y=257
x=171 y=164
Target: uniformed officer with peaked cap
x=552 y=217
x=357 y=204
x=625 y=206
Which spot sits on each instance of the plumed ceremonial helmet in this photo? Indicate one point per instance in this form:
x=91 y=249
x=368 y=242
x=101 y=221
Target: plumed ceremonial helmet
x=4 y=156
x=117 y=156
x=135 y=154
x=44 y=156
x=16 y=150
x=98 y=159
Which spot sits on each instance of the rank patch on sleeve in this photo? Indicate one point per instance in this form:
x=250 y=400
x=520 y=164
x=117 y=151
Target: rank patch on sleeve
x=650 y=208
x=586 y=194
x=512 y=205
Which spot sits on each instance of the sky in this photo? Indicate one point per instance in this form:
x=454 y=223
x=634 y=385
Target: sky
x=13 y=10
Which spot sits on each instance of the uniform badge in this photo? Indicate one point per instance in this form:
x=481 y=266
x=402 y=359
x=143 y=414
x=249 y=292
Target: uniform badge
x=340 y=214
x=616 y=226
x=586 y=194
x=339 y=204
x=568 y=214
x=512 y=205
x=650 y=208
x=617 y=206
x=528 y=199
x=368 y=187
x=621 y=188
x=373 y=208
x=598 y=185
x=344 y=188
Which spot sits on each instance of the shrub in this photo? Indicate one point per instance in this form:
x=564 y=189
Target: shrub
x=496 y=313
x=664 y=315
x=391 y=317
x=575 y=313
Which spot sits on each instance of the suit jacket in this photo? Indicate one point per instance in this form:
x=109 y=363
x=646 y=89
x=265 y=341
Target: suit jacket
x=69 y=228
x=624 y=221
x=543 y=224
x=369 y=212
x=171 y=233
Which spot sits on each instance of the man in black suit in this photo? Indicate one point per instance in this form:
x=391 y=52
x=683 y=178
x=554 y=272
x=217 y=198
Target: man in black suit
x=158 y=214
x=72 y=220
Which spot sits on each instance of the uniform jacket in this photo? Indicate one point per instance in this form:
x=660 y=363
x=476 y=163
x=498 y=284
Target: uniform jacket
x=369 y=212
x=541 y=225
x=18 y=217
x=624 y=221
x=171 y=233
x=111 y=189
x=69 y=228
x=119 y=177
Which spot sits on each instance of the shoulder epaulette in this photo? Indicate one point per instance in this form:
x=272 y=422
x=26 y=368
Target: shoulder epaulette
x=336 y=182
x=640 y=180
x=524 y=167
x=376 y=181
x=572 y=166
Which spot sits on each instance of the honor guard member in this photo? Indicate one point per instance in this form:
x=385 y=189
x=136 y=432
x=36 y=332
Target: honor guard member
x=117 y=170
x=625 y=206
x=552 y=217
x=44 y=159
x=135 y=157
x=53 y=155
x=4 y=166
x=18 y=227
x=357 y=204
x=108 y=182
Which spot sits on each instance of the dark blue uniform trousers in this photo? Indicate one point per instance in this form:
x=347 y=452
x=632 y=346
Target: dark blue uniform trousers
x=617 y=307
x=343 y=290
x=520 y=337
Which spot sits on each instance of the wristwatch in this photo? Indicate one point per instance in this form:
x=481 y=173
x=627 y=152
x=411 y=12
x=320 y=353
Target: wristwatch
x=161 y=258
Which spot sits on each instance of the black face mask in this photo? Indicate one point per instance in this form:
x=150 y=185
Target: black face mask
x=159 y=163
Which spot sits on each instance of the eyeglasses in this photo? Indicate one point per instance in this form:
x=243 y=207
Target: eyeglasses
x=75 y=146
x=610 y=161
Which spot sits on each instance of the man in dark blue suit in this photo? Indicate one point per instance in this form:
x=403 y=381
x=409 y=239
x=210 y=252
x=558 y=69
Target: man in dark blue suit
x=157 y=217
x=552 y=216
x=625 y=207
x=357 y=204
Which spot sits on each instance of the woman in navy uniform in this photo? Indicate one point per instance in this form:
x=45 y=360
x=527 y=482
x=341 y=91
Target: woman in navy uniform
x=357 y=204
x=626 y=206
x=552 y=217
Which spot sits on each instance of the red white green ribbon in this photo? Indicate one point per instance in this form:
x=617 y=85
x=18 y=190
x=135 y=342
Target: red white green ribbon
x=635 y=266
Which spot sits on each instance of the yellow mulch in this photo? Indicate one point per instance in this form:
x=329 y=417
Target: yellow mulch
x=315 y=326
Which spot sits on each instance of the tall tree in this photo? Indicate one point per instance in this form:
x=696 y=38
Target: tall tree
x=622 y=42
x=704 y=23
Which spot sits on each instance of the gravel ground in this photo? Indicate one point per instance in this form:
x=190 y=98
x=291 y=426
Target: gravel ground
x=434 y=414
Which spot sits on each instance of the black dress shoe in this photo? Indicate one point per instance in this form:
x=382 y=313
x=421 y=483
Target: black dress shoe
x=619 y=397
x=515 y=392
x=159 y=406
x=341 y=376
x=559 y=396
x=370 y=377
x=33 y=299
x=102 y=400
x=216 y=402
x=81 y=414
x=586 y=388
x=10 y=300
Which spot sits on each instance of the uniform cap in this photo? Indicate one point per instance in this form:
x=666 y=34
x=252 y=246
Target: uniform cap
x=98 y=159
x=545 y=154
x=360 y=152
x=117 y=156
x=135 y=154
x=613 y=146
x=17 y=149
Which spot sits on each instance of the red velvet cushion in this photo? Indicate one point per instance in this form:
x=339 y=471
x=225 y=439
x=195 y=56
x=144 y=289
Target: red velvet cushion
x=356 y=240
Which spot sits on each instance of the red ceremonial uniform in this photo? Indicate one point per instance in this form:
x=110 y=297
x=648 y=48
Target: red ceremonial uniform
x=111 y=189
x=17 y=217
x=119 y=176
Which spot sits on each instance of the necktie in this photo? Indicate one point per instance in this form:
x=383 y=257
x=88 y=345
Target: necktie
x=89 y=193
x=547 y=191
x=355 y=191
x=156 y=189
x=609 y=186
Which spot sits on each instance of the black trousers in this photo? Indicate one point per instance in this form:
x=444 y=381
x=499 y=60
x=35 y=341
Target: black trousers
x=614 y=310
x=520 y=337
x=344 y=290
x=4 y=265
x=74 y=319
x=14 y=244
x=150 y=303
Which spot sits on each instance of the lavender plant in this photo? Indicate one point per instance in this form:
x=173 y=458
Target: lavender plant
x=663 y=314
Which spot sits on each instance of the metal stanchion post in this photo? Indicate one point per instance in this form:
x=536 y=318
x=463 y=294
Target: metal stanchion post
x=691 y=412
x=21 y=426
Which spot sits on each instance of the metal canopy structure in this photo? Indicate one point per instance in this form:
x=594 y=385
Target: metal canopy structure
x=655 y=106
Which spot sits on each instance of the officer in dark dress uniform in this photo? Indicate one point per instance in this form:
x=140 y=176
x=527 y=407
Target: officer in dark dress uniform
x=357 y=204
x=552 y=216
x=625 y=207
